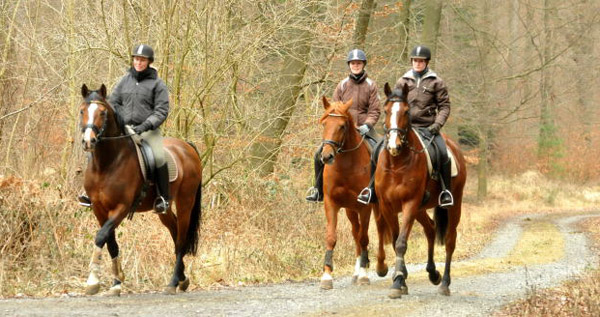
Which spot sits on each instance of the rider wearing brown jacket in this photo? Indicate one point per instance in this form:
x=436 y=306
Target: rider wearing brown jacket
x=429 y=108
x=365 y=110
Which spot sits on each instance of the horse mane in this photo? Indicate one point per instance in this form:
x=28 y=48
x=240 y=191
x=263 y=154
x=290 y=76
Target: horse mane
x=336 y=108
x=94 y=95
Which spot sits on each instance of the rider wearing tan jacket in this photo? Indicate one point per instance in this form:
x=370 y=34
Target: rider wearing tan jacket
x=365 y=110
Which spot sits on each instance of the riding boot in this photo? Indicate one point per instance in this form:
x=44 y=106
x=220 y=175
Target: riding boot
x=367 y=195
x=315 y=193
x=161 y=204
x=445 y=199
x=84 y=200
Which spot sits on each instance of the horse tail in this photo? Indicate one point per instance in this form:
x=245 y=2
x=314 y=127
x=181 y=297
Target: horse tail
x=385 y=234
x=440 y=217
x=192 y=236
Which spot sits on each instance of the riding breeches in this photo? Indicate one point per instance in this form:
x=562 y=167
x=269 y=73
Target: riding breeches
x=154 y=139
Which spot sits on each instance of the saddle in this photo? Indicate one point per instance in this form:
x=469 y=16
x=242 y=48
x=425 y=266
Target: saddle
x=148 y=164
x=430 y=153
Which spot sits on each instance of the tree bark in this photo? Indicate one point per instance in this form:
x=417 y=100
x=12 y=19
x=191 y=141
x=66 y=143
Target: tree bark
x=264 y=151
x=431 y=25
x=404 y=17
x=362 y=24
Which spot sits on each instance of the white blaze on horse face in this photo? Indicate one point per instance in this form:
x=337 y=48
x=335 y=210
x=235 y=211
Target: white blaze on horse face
x=394 y=125
x=88 y=131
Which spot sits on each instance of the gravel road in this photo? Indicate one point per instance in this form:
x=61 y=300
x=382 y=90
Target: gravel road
x=478 y=295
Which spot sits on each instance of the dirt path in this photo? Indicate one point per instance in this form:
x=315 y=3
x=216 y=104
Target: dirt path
x=480 y=286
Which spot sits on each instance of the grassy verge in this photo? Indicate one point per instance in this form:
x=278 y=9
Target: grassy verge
x=254 y=231
x=578 y=297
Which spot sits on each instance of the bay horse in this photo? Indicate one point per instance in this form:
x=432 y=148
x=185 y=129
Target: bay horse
x=114 y=183
x=347 y=171
x=401 y=183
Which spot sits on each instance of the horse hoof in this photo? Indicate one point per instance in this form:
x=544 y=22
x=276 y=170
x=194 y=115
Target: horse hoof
x=354 y=279
x=444 y=290
x=326 y=284
x=363 y=281
x=435 y=278
x=92 y=289
x=183 y=286
x=113 y=292
x=395 y=293
x=382 y=271
x=170 y=290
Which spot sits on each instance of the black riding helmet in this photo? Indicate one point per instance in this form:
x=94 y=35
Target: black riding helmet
x=356 y=55
x=421 y=52
x=143 y=50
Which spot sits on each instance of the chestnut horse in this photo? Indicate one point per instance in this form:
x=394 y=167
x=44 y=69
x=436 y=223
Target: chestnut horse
x=402 y=182
x=347 y=171
x=114 y=183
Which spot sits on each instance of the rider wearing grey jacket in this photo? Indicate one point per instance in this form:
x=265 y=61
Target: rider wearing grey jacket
x=142 y=101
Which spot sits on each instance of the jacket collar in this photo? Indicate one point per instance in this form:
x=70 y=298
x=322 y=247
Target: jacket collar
x=410 y=75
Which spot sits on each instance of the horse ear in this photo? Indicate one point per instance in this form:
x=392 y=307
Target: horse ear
x=405 y=91
x=103 y=91
x=84 y=91
x=326 y=104
x=347 y=105
x=387 y=89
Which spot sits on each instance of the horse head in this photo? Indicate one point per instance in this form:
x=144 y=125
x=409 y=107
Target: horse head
x=397 y=119
x=336 y=122
x=94 y=114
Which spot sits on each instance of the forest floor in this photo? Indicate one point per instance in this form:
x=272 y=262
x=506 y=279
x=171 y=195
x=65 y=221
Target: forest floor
x=528 y=253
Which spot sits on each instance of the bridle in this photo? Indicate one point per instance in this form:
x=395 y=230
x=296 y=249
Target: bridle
x=402 y=131
x=339 y=146
x=100 y=131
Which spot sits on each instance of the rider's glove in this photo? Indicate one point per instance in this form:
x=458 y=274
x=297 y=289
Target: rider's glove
x=363 y=129
x=434 y=128
x=141 y=128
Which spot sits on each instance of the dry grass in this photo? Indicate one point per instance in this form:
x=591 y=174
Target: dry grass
x=254 y=231
x=578 y=297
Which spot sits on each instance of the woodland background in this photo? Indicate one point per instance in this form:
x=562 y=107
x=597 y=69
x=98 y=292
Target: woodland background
x=245 y=81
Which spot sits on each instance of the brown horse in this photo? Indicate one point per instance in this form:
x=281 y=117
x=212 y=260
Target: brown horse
x=347 y=170
x=115 y=184
x=402 y=183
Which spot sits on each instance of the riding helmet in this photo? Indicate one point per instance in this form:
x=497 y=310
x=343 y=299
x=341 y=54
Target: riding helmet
x=357 y=55
x=421 y=52
x=143 y=50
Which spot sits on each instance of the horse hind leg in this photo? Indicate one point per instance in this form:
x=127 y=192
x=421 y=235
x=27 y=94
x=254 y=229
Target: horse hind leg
x=429 y=228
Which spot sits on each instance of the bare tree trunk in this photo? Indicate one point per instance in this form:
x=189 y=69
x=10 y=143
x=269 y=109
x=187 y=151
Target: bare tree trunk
x=431 y=25
x=548 y=142
x=362 y=24
x=404 y=29
x=264 y=150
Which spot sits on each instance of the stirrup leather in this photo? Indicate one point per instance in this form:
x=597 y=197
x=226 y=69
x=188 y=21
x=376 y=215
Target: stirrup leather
x=365 y=196
x=447 y=204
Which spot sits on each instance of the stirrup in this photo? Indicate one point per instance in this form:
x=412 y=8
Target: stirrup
x=162 y=203
x=365 y=196
x=312 y=194
x=449 y=203
x=84 y=200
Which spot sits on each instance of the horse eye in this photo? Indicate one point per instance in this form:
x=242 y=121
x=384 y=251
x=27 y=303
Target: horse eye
x=81 y=111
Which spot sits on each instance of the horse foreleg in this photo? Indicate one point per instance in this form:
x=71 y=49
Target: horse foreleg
x=330 y=241
x=399 y=287
x=450 y=246
x=429 y=229
x=383 y=233
x=93 y=282
x=117 y=270
x=360 y=230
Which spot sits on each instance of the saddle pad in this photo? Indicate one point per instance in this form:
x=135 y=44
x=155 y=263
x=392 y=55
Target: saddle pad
x=453 y=166
x=171 y=164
